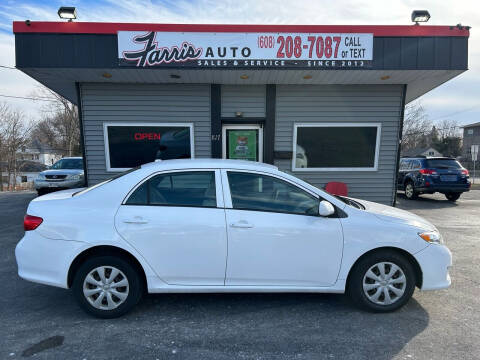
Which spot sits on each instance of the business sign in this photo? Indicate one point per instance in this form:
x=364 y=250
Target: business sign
x=244 y=50
x=242 y=144
x=131 y=145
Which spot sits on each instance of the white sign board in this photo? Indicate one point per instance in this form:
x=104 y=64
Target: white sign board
x=246 y=50
x=474 y=151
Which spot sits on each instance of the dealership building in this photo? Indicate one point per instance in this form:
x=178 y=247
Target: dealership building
x=323 y=102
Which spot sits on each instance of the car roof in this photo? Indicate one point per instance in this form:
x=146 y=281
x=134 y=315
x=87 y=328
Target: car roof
x=209 y=163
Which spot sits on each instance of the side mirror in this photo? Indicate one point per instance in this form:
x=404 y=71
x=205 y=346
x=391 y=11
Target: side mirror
x=325 y=208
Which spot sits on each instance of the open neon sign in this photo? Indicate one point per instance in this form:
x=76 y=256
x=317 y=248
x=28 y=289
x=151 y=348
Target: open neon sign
x=147 y=136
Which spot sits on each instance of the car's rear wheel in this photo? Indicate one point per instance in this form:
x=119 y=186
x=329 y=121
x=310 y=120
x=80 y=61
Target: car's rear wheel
x=40 y=192
x=410 y=192
x=382 y=281
x=107 y=286
x=452 y=196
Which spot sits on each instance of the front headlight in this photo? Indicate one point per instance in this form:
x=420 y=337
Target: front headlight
x=40 y=177
x=432 y=237
x=75 y=177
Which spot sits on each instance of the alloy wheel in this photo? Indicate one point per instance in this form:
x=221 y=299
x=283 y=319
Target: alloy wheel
x=409 y=190
x=106 y=287
x=384 y=283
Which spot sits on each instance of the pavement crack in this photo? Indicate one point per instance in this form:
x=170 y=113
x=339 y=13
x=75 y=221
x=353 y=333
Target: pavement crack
x=45 y=344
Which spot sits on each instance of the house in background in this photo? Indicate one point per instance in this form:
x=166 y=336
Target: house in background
x=27 y=171
x=38 y=152
x=471 y=136
x=427 y=151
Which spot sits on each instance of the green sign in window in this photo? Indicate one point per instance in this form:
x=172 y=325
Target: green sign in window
x=242 y=144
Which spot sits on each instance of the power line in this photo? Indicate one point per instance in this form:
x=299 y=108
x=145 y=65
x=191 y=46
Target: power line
x=455 y=113
x=27 y=98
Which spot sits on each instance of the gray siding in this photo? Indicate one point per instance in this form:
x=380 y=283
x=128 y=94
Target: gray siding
x=249 y=99
x=141 y=103
x=344 y=103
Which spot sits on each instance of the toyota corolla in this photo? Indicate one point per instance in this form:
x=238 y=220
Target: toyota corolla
x=224 y=226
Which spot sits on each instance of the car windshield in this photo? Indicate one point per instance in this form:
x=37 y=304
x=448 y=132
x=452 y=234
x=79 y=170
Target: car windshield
x=443 y=164
x=350 y=202
x=106 y=181
x=68 y=164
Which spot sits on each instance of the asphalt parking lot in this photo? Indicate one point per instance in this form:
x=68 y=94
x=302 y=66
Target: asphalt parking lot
x=45 y=323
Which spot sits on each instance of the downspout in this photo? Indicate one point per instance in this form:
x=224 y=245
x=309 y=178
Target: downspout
x=399 y=147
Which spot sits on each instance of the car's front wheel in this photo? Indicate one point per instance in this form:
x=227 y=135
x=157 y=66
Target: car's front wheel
x=382 y=281
x=452 y=196
x=107 y=286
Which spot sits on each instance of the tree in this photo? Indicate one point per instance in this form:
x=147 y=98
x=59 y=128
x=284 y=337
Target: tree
x=60 y=126
x=448 y=139
x=416 y=126
x=14 y=131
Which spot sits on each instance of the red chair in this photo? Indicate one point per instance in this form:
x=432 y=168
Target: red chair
x=337 y=188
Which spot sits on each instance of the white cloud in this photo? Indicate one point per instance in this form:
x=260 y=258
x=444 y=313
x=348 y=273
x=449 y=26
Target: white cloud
x=445 y=12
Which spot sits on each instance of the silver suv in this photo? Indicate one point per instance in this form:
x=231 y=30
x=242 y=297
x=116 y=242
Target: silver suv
x=66 y=173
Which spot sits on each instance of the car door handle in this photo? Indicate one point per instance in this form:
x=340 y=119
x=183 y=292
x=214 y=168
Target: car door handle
x=242 y=224
x=135 y=220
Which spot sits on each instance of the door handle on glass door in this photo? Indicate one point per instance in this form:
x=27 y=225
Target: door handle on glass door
x=242 y=224
x=136 y=220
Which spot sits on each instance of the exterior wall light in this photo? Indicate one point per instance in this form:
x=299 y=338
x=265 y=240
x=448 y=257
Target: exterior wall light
x=420 y=16
x=67 y=12
x=238 y=114
x=244 y=77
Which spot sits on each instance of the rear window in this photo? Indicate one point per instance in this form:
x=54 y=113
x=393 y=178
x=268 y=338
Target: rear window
x=106 y=181
x=443 y=164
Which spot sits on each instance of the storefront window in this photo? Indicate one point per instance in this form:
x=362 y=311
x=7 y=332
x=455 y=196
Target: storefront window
x=336 y=147
x=131 y=145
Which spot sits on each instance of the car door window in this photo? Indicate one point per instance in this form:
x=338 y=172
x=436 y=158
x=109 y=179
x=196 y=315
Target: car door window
x=251 y=191
x=196 y=188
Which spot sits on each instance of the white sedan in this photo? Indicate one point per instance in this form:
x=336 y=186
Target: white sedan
x=224 y=226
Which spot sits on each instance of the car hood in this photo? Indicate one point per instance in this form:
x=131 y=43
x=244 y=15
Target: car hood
x=392 y=214
x=62 y=172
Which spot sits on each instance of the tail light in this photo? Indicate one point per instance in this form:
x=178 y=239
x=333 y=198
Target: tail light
x=428 y=172
x=31 y=222
x=465 y=172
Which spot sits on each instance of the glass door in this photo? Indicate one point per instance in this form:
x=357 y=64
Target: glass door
x=242 y=142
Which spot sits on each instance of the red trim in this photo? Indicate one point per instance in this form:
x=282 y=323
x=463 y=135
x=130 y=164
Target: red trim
x=112 y=28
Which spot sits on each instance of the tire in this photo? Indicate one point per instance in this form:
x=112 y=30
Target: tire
x=452 y=196
x=111 y=305
x=372 y=262
x=40 y=192
x=410 y=192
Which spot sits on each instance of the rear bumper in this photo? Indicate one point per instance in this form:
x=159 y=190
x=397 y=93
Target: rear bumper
x=435 y=262
x=453 y=188
x=45 y=261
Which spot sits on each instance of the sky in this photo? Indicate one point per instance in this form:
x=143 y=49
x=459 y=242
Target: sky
x=457 y=99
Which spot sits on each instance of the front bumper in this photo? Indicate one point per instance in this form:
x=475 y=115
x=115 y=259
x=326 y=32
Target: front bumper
x=435 y=262
x=45 y=261
x=59 y=184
